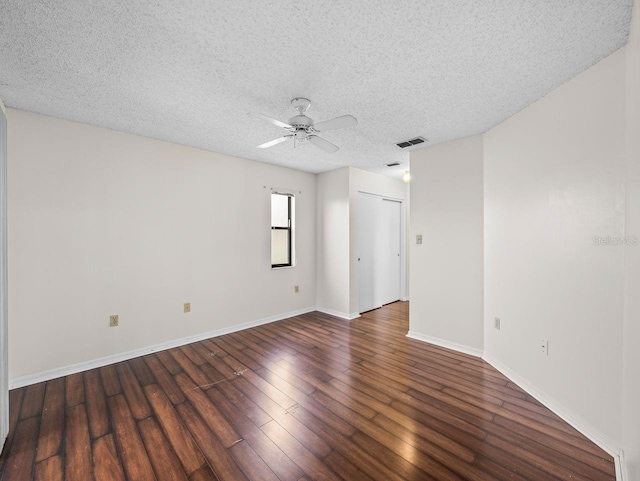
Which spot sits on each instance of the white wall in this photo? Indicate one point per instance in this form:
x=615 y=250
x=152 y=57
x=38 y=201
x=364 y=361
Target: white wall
x=631 y=330
x=102 y=222
x=554 y=179
x=362 y=181
x=447 y=268
x=333 y=242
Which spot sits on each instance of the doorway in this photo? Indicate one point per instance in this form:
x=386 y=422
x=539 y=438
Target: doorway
x=379 y=251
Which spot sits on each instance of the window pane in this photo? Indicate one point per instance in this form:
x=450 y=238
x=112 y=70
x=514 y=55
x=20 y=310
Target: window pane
x=279 y=210
x=280 y=246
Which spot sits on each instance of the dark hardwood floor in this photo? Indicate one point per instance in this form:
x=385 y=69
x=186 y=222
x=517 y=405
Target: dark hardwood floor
x=311 y=397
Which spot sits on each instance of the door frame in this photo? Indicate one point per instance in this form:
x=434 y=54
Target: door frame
x=4 y=359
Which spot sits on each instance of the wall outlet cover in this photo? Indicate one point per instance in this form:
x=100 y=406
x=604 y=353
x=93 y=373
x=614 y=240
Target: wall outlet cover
x=187 y=307
x=113 y=320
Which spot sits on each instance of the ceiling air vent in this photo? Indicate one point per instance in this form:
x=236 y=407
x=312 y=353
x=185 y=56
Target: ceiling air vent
x=411 y=142
x=392 y=164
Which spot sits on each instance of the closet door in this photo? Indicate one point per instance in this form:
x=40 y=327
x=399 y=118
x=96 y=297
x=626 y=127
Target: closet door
x=389 y=254
x=379 y=238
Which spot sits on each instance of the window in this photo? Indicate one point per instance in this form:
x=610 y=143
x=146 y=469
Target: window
x=282 y=239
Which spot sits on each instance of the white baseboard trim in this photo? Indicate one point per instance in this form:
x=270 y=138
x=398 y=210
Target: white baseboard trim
x=444 y=343
x=342 y=315
x=566 y=414
x=621 y=467
x=123 y=356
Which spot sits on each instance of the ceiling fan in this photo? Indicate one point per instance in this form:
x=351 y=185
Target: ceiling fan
x=302 y=128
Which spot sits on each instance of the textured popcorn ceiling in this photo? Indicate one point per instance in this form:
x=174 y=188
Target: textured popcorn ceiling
x=189 y=71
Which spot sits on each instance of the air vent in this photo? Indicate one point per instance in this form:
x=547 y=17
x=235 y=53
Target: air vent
x=411 y=143
x=392 y=164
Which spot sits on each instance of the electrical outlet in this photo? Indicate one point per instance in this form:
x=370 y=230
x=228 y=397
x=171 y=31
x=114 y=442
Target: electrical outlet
x=187 y=307
x=496 y=323
x=544 y=346
x=296 y=289
x=419 y=239
x=113 y=320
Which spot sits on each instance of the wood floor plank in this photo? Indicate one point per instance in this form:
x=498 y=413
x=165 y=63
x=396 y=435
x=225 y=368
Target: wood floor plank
x=338 y=463
x=249 y=408
x=169 y=362
x=192 y=354
x=237 y=359
x=133 y=391
x=32 y=402
x=302 y=433
x=272 y=455
x=220 y=366
x=96 y=404
x=163 y=458
x=22 y=453
x=220 y=461
x=78 y=463
x=142 y=372
x=300 y=455
x=52 y=425
x=203 y=474
x=110 y=381
x=252 y=464
x=182 y=442
x=50 y=469
x=210 y=413
x=75 y=389
x=165 y=379
x=15 y=406
x=135 y=461
x=106 y=462
x=190 y=369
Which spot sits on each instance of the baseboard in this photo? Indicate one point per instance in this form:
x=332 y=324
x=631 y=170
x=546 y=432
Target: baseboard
x=566 y=414
x=621 y=467
x=342 y=315
x=123 y=356
x=444 y=343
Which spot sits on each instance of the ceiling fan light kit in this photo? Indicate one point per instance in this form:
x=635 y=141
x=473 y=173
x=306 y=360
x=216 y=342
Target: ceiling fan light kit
x=302 y=128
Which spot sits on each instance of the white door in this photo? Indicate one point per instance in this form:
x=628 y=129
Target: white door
x=379 y=240
x=389 y=255
x=4 y=371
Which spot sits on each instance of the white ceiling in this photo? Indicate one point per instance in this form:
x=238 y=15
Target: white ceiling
x=188 y=71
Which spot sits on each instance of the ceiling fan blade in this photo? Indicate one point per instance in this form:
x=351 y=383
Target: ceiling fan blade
x=323 y=144
x=269 y=119
x=274 y=142
x=337 y=123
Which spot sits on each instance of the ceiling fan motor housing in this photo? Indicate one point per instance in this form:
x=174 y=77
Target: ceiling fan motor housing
x=301 y=121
